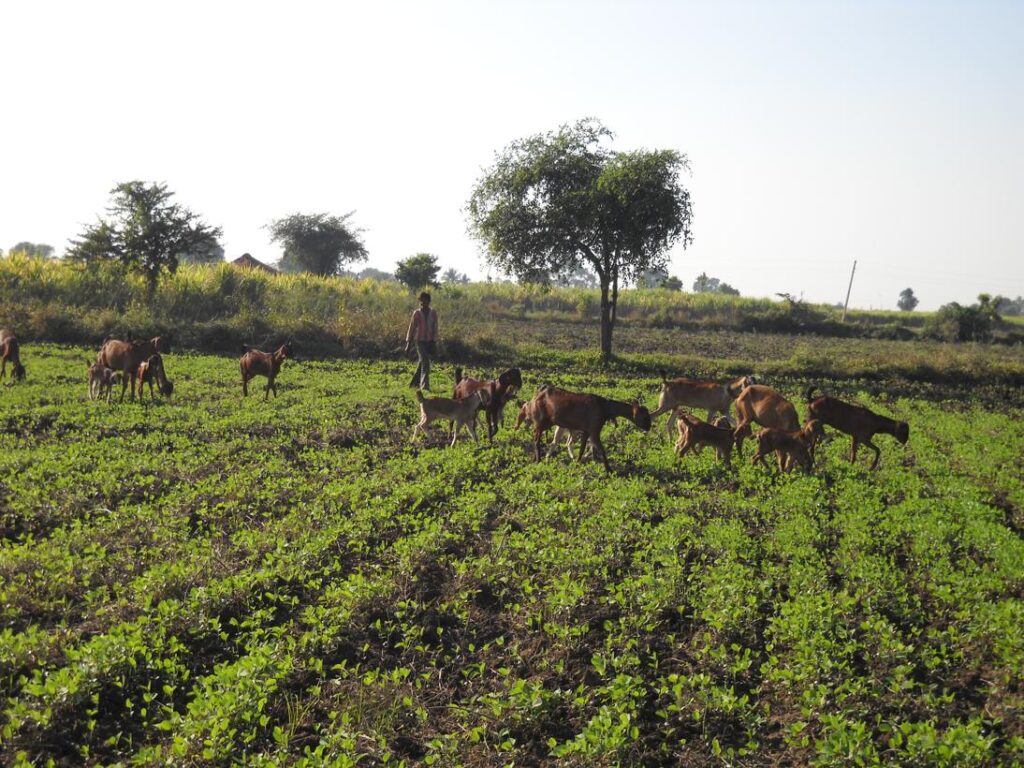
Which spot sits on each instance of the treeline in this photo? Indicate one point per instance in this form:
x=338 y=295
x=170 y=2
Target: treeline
x=216 y=308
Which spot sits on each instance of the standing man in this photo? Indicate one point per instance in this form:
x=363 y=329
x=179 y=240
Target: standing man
x=422 y=331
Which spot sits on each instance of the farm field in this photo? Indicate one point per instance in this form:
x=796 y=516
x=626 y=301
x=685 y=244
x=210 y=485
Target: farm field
x=207 y=580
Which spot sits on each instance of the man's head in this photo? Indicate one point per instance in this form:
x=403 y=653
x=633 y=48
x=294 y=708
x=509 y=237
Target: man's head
x=424 y=300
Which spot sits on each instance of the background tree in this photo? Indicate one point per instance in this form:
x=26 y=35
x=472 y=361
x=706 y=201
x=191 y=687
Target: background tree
x=1011 y=307
x=581 y=277
x=557 y=201
x=672 y=283
x=705 y=284
x=907 y=300
x=452 y=276
x=210 y=253
x=145 y=231
x=33 y=249
x=418 y=271
x=317 y=243
x=369 y=273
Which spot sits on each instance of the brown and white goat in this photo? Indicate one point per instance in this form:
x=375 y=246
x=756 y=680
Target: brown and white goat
x=857 y=421
x=695 y=393
x=790 y=447
x=461 y=412
x=582 y=412
x=499 y=391
x=256 y=363
x=695 y=433
x=127 y=356
x=762 y=405
x=150 y=370
x=10 y=351
x=102 y=381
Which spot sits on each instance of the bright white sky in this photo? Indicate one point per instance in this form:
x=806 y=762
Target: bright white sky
x=818 y=133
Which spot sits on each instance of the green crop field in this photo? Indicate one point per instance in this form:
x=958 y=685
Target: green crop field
x=207 y=580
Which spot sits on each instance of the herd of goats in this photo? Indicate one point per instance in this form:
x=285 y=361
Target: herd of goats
x=579 y=416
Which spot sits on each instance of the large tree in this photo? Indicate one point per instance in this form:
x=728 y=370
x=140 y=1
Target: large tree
x=145 y=231
x=554 y=202
x=33 y=249
x=317 y=243
x=418 y=271
x=907 y=300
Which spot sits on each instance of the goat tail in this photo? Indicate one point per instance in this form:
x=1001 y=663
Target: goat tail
x=245 y=348
x=664 y=376
x=810 y=394
x=458 y=375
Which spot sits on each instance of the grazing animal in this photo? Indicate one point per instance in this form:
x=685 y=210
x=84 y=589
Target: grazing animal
x=255 y=363
x=525 y=414
x=10 y=351
x=127 y=356
x=763 y=405
x=694 y=393
x=462 y=412
x=694 y=433
x=581 y=412
x=857 y=421
x=499 y=390
x=790 y=447
x=102 y=381
x=153 y=369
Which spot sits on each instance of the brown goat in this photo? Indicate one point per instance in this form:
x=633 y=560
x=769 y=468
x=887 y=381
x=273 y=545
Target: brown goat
x=763 y=405
x=855 y=420
x=127 y=356
x=102 y=381
x=255 y=363
x=790 y=447
x=694 y=393
x=153 y=369
x=10 y=351
x=499 y=390
x=580 y=412
x=694 y=433
x=525 y=414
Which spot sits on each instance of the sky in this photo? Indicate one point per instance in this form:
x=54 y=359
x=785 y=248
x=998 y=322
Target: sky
x=818 y=133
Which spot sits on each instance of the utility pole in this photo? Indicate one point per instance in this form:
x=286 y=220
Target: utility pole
x=849 y=288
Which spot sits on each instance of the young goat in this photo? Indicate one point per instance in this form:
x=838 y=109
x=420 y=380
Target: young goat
x=102 y=381
x=10 y=351
x=462 y=413
x=790 y=447
x=499 y=390
x=255 y=363
x=153 y=369
x=579 y=412
x=763 y=405
x=694 y=433
x=693 y=393
x=127 y=356
x=855 y=420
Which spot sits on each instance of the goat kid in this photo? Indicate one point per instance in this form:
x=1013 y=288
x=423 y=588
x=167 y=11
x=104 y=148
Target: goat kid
x=857 y=421
x=694 y=433
x=150 y=370
x=791 y=447
x=102 y=381
x=256 y=363
x=695 y=393
x=10 y=351
x=462 y=412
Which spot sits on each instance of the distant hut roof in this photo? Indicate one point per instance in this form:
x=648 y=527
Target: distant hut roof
x=246 y=261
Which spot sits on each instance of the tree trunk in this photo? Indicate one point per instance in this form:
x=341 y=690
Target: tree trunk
x=606 y=322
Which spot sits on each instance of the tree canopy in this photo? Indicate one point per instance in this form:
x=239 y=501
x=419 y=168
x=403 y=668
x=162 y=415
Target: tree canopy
x=145 y=231
x=705 y=284
x=317 y=243
x=555 y=202
x=418 y=271
x=907 y=300
x=33 y=249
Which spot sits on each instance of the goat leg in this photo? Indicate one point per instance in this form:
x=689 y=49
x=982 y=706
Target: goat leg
x=878 y=453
